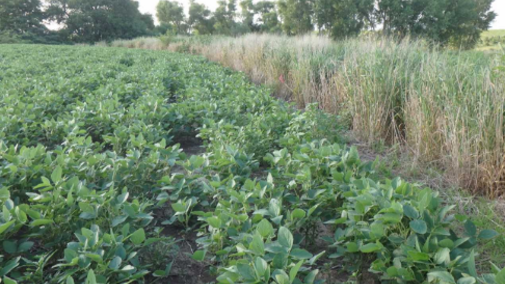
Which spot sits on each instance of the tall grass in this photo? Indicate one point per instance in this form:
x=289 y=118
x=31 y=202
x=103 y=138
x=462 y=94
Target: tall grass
x=444 y=107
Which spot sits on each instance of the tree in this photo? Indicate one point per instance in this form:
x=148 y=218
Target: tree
x=296 y=16
x=247 y=14
x=324 y=14
x=470 y=22
x=21 y=16
x=268 y=20
x=21 y=21
x=351 y=16
x=199 y=19
x=172 y=14
x=96 y=20
x=455 y=22
x=224 y=17
x=344 y=18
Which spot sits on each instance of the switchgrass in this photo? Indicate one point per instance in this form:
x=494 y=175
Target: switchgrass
x=444 y=107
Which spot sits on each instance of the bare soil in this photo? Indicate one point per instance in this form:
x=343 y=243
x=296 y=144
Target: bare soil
x=186 y=270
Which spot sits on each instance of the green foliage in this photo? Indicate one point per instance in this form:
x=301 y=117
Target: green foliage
x=200 y=20
x=296 y=16
x=172 y=13
x=21 y=16
x=89 y=169
x=21 y=22
x=458 y=23
x=96 y=20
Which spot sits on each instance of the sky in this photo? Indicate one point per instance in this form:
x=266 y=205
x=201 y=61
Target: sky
x=149 y=6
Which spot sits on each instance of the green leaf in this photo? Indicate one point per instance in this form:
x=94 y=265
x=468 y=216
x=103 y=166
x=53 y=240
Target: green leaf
x=122 y=198
x=274 y=207
x=300 y=254
x=442 y=256
x=115 y=263
x=467 y=280
x=138 y=236
x=410 y=212
x=446 y=243
x=246 y=271
x=257 y=245
x=298 y=214
x=10 y=247
x=260 y=265
x=159 y=273
x=41 y=222
x=56 y=175
x=199 y=255
x=69 y=254
x=294 y=271
x=470 y=228
x=487 y=234
x=4 y=194
x=392 y=271
x=419 y=226
x=280 y=260
x=442 y=276
x=6 y=226
x=500 y=277
x=214 y=222
x=281 y=277
x=418 y=256
x=91 y=278
x=472 y=270
x=391 y=218
x=285 y=238
x=264 y=228
x=377 y=229
x=69 y=280
x=118 y=220
x=10 y=265
x=313 y=260
x=311 y=277
x=8 y=280
x=372 y=247
x=25 y=246
x=178 y=207
x=95 y=257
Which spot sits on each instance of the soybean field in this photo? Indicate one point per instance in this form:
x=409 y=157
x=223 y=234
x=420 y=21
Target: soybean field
x=139 y=166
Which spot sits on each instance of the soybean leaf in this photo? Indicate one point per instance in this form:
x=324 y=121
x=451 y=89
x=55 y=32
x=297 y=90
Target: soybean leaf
x=264 y=228
x=199 y=255
x=257 y=245
x=138 y=236
x=6 y=226
x=56 y=175
x=91 y=278
x=419 y=226
x=470 y=228
x=487 y=234
x=443 y=276
x=285 y=238
x=294 y=271
x=372 y=247
x=300 y=254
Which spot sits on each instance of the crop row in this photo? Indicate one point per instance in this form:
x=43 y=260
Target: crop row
x=91 y=155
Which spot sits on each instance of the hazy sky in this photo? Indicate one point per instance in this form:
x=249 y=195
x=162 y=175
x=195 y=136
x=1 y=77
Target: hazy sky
x=148 y=6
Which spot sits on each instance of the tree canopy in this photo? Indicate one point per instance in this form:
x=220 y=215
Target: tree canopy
x=171 y=13
x=447 y=22
x=96 y=20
